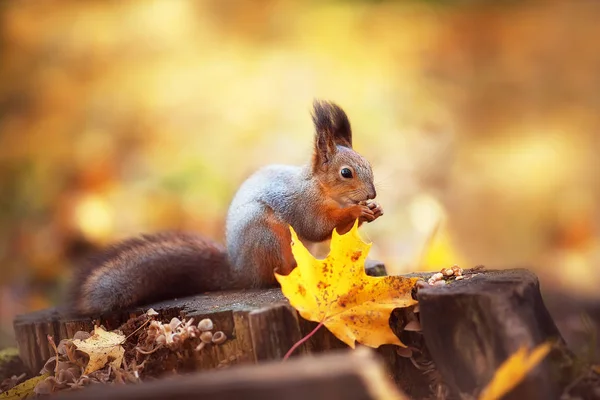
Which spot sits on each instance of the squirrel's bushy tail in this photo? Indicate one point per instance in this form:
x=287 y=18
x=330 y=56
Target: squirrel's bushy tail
x=149 y=268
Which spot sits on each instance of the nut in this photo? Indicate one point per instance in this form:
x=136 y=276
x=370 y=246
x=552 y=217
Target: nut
x=206 y=325
x=435 y=278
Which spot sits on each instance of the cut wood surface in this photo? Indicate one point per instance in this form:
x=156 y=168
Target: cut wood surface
x=469 y=328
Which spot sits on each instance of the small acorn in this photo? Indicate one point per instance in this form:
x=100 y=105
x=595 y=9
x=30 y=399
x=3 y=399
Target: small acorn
x=458 y=271
x=435 y=278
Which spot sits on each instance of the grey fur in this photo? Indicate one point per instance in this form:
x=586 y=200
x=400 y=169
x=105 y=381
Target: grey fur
x=296 y=196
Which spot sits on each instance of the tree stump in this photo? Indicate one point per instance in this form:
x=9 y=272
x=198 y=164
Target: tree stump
x=469 y=328
x=260 y=326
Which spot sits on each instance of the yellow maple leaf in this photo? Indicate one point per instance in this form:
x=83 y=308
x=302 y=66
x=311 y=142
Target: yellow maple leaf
x=23 y=390
x=337 y=292
x=103 y=348
x=513 y=371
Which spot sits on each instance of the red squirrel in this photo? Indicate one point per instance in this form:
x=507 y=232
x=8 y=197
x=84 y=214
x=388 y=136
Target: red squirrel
x=331 y=192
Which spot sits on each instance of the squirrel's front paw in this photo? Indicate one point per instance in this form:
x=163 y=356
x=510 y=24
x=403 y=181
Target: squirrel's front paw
x=376 y=209
x=364 y=213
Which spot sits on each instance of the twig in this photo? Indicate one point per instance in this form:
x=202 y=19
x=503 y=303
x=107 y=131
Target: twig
x=146 y=352
x=299 y=342
x=140 y=327
x=53 y=345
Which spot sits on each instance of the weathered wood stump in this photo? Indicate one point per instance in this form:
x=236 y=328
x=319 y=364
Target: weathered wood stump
x=260 y=324
x=469 y=328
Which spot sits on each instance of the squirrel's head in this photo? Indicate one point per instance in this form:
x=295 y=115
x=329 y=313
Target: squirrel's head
x=343 y=173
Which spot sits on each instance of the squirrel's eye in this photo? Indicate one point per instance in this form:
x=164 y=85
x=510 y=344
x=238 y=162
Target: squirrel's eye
x=346 y=173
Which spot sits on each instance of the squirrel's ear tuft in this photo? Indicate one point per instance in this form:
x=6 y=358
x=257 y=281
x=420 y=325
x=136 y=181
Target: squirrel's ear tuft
x=331 y=128
x=330 y=120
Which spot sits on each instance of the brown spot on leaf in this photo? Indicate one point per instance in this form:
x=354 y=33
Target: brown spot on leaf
x=302 y=290
x=355 y=255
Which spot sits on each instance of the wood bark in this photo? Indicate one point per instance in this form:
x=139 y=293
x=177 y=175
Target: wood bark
x=469 y=328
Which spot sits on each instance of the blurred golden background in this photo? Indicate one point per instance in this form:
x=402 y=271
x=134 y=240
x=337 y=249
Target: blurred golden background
x=121 y=117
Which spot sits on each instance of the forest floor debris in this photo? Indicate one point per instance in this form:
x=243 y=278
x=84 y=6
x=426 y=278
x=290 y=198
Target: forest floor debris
x=143 y=348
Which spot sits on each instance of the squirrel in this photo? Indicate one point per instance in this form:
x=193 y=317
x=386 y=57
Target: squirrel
x=330 y=192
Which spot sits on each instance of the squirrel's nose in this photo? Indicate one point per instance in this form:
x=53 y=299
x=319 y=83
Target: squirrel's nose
x=372 y=193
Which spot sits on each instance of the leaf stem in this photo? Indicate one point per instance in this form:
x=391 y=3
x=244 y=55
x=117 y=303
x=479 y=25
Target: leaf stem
x=299 y=342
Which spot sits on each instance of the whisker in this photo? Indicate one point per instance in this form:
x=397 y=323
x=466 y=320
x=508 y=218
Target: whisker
x=384 y=185
x=385 y=178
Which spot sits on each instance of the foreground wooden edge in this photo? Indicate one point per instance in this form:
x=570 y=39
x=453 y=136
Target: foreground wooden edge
x=348 y=375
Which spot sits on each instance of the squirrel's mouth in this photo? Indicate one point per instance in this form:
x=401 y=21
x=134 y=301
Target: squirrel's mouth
x=365 y=198
x=363 y=201
x=358 y=197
